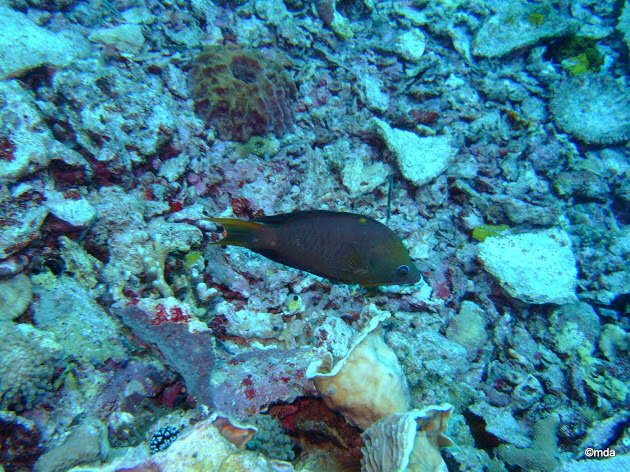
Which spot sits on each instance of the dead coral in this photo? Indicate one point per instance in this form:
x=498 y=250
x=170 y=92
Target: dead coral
x=30 y=359
x=594 y=110
x=241 y=92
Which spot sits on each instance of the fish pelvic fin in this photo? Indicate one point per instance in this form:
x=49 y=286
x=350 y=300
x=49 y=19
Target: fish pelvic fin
x=239 y=232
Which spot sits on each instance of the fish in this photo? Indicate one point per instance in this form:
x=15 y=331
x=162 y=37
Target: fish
x=343 y=247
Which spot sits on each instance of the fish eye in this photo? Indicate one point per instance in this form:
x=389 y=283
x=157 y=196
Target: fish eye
x=402 y=270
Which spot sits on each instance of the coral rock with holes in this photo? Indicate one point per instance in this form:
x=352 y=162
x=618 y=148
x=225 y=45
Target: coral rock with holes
x=26 y=143
x=241 y=92
x=186 y=343
x=30 y=358
x=243 y=384
x=592 y=109
x=20 y=222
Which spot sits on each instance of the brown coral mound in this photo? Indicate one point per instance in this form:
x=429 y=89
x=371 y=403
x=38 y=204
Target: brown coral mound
x=594 y=110
x=241 y=92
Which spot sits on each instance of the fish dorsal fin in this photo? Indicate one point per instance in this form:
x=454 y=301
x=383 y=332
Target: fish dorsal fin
x=283 y=217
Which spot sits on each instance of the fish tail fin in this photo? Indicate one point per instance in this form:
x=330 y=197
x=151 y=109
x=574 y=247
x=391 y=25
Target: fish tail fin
x=239 y=232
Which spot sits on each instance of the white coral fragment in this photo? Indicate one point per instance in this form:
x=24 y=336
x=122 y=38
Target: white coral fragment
x=533 y=267
x=420 y=159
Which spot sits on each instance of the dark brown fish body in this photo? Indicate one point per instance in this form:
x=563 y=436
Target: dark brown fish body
x=343 y=247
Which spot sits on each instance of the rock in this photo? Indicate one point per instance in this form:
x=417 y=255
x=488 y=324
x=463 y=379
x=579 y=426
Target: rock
x=611 y=464
x=273 y=12
x=570 y=335
x=371 y=92
x=341 y=26
x=613 y=342
x=533 y=267
x=582 y=185
x=20 y=442
x=126 y=38
x=25 y=144
x=140 y=15
x=468 y=327
x=527 y=393
x=52 y=5
x=85 y=268
x=86 y=443
x=554 y=380
x=126 y=390
x=80 y=325
x=541 y=456
x=623 y=25
x=77 y=212
x=433 y=363
x=13 y=265
x=519 y=212
x=15 y=296
x=534 y=109
x=190 y=36
x=410 y=45
x=246 y=323
x=173 y=168
x=243 y=384
x=604 y=432
x=20 y=222
x=582 y=317
x=518 y=25
x=420 y=160
x=186 y=344
x=25 y=46
x=501 y=423
x=150 y=118
x=360 y=177
x=30 y=358
x=207 y=446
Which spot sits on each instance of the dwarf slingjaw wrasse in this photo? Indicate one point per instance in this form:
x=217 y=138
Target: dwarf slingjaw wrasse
x=343 y=247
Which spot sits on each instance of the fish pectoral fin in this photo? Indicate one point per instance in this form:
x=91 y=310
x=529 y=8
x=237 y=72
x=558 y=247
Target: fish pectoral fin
x=353 y=258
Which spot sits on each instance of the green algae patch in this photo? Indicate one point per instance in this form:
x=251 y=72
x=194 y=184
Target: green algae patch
x=535 y=19
x=193 y=258
x=266 y=147
x=577 y=54
x=481 y=232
